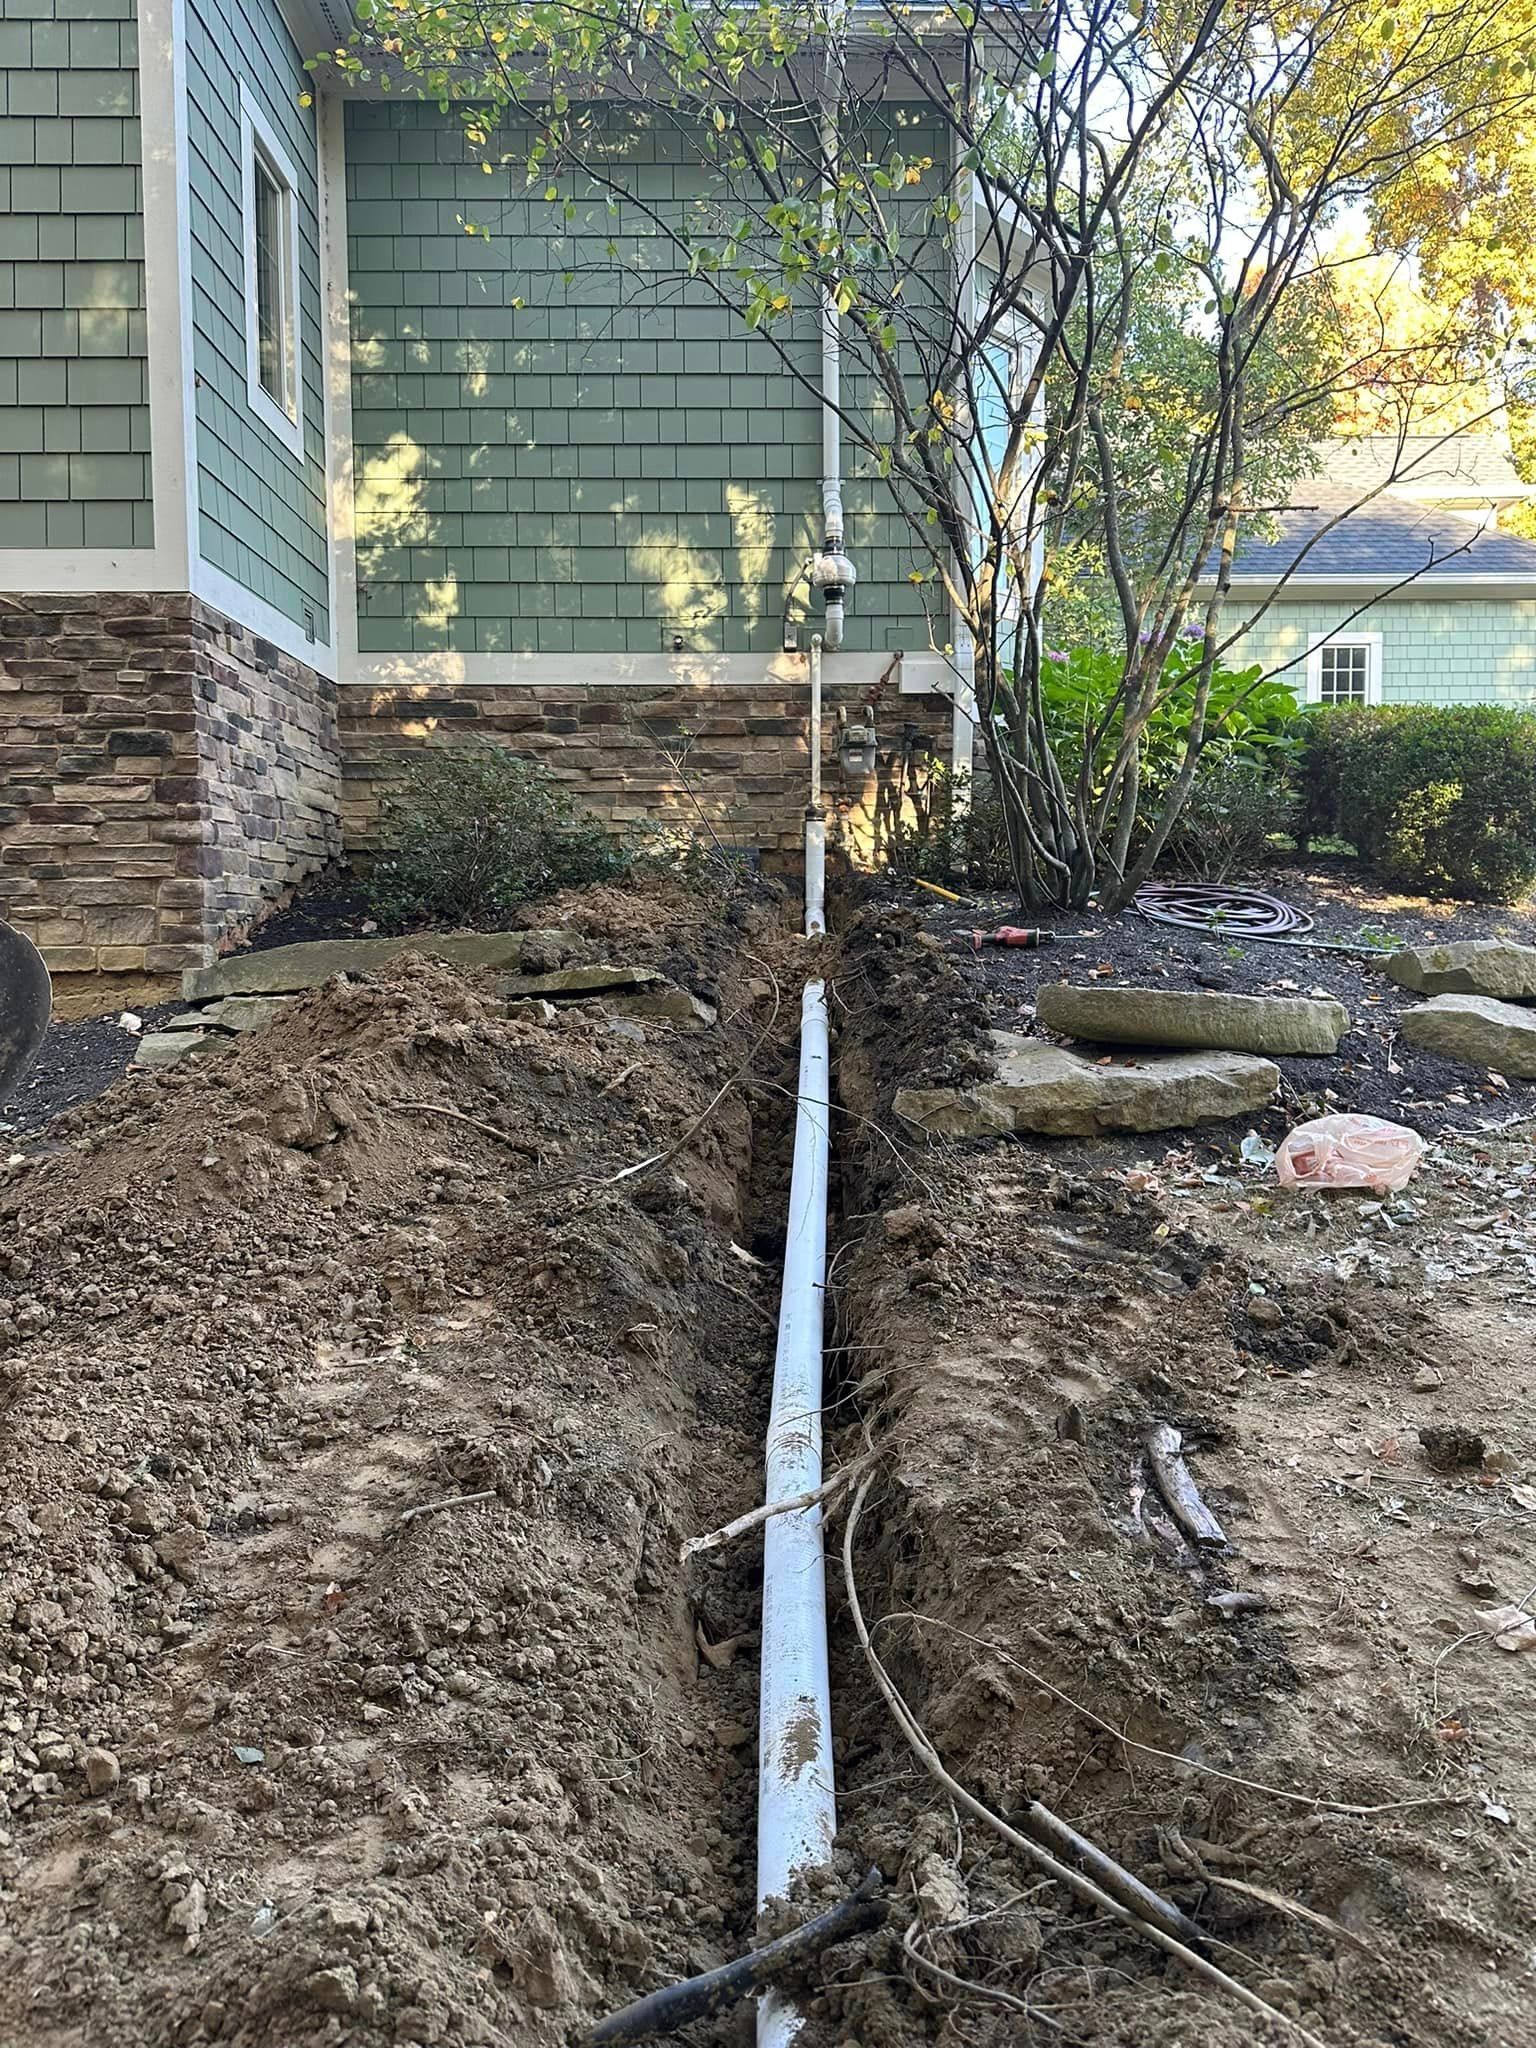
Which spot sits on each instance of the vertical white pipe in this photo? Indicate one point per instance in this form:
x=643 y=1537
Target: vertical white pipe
x=963 y=715
x=815 y=877
x=814 y=799
x=815 y=817
x=831 y=336
x=796 y=1806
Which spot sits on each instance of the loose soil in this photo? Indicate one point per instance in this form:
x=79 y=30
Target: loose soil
x=287 y=1760
x=1018 y=1315
x=288 y=1763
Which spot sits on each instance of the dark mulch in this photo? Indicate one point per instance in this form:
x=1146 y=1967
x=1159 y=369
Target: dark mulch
x=75 y=1063
x=1373 y=1072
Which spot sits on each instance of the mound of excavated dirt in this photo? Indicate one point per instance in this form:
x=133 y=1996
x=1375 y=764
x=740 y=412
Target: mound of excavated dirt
x=1018 y=1328
x=350 y=1688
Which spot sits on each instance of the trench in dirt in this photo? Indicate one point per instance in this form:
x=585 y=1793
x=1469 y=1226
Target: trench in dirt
x=289 y=1764
x=286 y=1760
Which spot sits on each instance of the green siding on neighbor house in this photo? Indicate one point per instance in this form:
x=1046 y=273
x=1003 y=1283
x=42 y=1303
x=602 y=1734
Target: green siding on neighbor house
x=1461 y=651
x=74 y=413
x=614 y=465
x=261 y=511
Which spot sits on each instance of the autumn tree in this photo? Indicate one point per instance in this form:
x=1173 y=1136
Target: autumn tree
x=1078 y=266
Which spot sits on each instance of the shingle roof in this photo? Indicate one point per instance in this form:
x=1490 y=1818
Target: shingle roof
x=1460 y=465
x=1387 y=539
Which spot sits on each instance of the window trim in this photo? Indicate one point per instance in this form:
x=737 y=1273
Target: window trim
x=1371 y=642
x=258 y=138
x=1014 y=332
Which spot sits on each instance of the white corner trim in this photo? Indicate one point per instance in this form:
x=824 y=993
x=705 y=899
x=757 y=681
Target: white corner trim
x=258 y=134
x=1344 y=637
x=336 y=342
x=216 y=587
x=384 y=672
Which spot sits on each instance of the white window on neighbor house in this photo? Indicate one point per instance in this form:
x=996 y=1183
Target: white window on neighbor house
x=1345 y=669
x=269 y=210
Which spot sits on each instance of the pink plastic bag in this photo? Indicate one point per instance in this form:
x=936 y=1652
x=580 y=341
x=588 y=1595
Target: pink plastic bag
x=1349 y=1152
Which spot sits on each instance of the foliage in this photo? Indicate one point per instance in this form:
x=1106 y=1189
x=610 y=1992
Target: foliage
x=1158 y=185
x=1435 y=798
x=1235 y=811
x=1248 y=716
x=950 y=831
x=472 y=830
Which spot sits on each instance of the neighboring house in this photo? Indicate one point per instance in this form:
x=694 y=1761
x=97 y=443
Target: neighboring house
x=1415 y=596
x=294 y=473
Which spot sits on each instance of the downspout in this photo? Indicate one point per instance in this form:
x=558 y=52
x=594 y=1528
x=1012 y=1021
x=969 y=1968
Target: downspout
x=796 y=1804
x=832 y=572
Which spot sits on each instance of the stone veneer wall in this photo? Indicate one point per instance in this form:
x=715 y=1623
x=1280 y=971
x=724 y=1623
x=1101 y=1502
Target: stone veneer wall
x=164 y=776
x=731 y=754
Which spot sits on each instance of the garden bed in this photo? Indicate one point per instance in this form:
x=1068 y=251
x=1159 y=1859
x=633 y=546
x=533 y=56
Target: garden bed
x=1375 y=1071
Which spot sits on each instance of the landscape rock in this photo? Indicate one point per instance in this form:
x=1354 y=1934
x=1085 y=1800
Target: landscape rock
x=674 y=1005
x=283 y=970
x=101 y=1771
x=1476 y=1029
x=1193 y=1018
x=165 y=1048
x=1056 y=1093
x=580 y=981
x=1467 y=967
x=232 y=1014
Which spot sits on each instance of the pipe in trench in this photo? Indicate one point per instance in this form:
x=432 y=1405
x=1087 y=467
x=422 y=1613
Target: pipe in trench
x=796 y=1801
x=796 y=1806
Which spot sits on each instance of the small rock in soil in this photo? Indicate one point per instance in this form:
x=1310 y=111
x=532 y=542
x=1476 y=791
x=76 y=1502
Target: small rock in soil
x=1450 y=1448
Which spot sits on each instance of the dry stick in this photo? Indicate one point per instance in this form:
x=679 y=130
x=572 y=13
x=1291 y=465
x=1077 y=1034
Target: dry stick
x=1164 y=1448
x=1085 y=1888
x=458 y=1116
x=1294 y=1907
x=1168 y=1755
x=755 y=1517
x=452 y=1500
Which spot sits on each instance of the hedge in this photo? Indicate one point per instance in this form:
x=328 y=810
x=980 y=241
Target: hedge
x=1436 y=798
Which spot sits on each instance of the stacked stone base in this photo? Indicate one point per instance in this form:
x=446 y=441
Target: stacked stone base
x=165 y=776
x=730 y=759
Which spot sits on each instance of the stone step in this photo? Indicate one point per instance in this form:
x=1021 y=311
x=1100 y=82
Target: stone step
x=1467 y=967
x=1478 y=1030
x=1055 y=1093
x=1193 y=1018
x=284 y=970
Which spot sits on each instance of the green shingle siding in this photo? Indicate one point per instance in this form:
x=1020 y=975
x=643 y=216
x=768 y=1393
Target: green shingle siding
x=607 y=467
x=1451 y=651
x=261 y=511
x=73 y=394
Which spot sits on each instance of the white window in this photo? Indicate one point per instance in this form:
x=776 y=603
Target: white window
x=270 y=211
x=1345 y=669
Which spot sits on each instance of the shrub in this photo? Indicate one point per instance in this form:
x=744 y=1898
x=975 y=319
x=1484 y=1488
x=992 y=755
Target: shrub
x=948 y=828
x=1248 y=716
x=471 y=830
x=1234 y=810
x=1435 y=798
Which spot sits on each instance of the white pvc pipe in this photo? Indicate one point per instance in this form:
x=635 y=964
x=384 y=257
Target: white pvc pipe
x=815 y=819
x=815 y=877
x=796 y=1806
